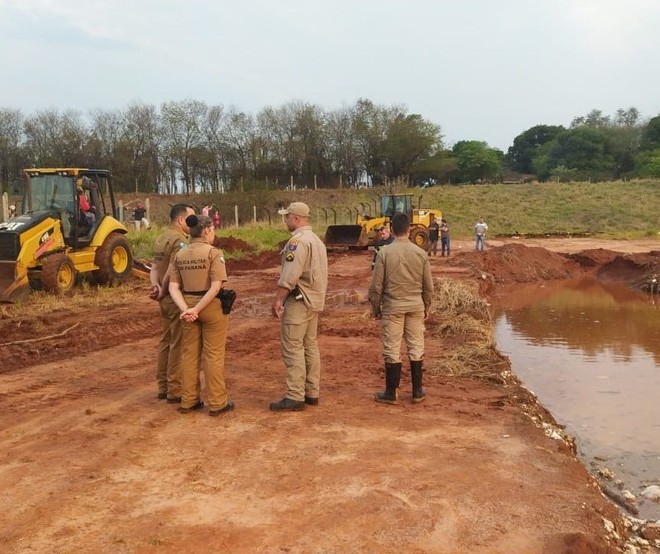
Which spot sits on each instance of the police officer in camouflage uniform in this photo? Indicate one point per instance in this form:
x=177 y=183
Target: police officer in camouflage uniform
x=299 y=299
x=400 y=294
x=197 y=275
x=166 y=246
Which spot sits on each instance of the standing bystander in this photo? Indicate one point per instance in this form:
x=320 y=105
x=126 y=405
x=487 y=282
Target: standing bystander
x=385 y=237
x=400 y=294
x=299 y=299
x=444 y=237
x=168 y=375
x=139 y=215
x=216 y=218
x=480 y=229
x=433 y=237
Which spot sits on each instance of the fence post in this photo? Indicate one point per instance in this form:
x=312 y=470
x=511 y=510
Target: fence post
x=254 y=213
x=147 y=205
x=236 y=214
x=120 y=211
x=5 y=206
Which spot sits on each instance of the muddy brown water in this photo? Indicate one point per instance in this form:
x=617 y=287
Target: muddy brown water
x=590 y=351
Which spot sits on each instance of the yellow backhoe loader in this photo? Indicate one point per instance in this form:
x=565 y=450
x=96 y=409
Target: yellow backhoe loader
x=66 y=227
x=365 y=231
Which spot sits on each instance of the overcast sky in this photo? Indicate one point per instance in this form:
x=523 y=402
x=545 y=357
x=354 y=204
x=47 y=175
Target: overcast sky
x=481 y=69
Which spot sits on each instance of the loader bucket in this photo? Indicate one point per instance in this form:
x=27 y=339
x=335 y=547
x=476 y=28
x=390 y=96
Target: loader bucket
x=345 y=235
x=11 y=287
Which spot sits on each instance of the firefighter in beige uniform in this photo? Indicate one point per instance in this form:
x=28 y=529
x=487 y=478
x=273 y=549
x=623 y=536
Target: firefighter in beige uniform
x=299 y=300
x=198 y=273
x=400 y=295
x=166 y=246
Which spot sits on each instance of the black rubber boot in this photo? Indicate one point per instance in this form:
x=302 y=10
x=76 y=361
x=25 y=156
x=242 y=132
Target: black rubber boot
x=416 y=377
x=392 y=378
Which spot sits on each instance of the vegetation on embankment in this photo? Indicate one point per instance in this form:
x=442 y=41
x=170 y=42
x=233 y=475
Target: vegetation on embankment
x=609 y=209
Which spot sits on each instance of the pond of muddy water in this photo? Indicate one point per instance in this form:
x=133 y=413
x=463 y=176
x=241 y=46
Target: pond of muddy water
x=590 y=351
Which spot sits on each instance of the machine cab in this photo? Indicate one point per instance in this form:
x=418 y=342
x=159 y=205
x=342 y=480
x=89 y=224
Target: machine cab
x=391 y=204
x=74 y=196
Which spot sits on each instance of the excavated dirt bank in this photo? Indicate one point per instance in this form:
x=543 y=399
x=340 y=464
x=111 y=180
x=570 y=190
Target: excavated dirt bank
x=91 y=460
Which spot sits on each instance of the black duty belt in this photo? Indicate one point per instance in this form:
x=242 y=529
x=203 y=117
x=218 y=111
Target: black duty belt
x=195 y=293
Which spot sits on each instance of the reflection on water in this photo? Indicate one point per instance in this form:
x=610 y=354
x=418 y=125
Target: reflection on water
x=590 y=351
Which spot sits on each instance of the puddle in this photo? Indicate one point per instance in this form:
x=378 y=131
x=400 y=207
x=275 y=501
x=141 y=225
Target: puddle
x=590 y=351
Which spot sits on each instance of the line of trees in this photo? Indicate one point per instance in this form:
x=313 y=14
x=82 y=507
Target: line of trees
x=188 y=146
x=595 y=146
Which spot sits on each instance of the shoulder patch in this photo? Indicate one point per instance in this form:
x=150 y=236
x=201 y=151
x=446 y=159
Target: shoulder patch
x=290 y=256
x=292 y=244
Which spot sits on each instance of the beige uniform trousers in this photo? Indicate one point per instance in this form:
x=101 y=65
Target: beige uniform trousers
x=168 y=374
x=204 y=345
x=300 y=350
x=409 y=326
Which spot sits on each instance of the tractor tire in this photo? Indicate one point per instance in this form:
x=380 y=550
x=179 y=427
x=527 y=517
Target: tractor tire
x=58 y=274
x=115 y=260
x=420 y=237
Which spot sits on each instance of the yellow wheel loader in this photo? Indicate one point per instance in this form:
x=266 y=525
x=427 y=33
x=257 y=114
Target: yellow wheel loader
x=365 y=231
x=66 y=228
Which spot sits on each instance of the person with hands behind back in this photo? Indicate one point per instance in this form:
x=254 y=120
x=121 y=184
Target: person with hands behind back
x=197 y=275
x=168 y=376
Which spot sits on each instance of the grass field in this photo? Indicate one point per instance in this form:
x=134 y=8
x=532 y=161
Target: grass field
x=610 y=210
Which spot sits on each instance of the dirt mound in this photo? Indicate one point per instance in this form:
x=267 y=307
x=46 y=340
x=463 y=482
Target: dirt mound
x=270 y=258
x=594 y=257
x=640 y=271
x=516 y=263
x=231 y=244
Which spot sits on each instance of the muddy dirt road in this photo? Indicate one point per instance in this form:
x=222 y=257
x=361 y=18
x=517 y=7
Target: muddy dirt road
x=91 y=461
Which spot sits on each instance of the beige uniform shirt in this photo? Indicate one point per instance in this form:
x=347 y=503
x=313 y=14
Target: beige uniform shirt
x=165 y=248
x=401 y=282
x=195 y=267
x=305 y=265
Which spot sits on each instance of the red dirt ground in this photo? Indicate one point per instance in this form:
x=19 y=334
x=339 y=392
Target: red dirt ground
x=92 y=462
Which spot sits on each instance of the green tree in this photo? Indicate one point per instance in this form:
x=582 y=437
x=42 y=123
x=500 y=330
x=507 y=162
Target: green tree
x=526 y=146
x=409 y=139
x=647 y=164
x=650 y=139
x=582 y=149
x=476 y=160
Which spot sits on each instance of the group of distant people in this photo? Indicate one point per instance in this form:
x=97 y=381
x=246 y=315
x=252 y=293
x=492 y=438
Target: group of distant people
x=437 y=231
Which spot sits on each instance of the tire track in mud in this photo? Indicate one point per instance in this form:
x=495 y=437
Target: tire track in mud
x=97 y=330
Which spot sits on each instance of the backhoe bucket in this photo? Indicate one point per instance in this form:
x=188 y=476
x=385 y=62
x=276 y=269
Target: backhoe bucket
x=11 y=287
x=141 y=269
x=345 y=235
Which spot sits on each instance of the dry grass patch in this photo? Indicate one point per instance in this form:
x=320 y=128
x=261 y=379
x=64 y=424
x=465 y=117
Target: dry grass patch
x=460 y=313
x=82 y=297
